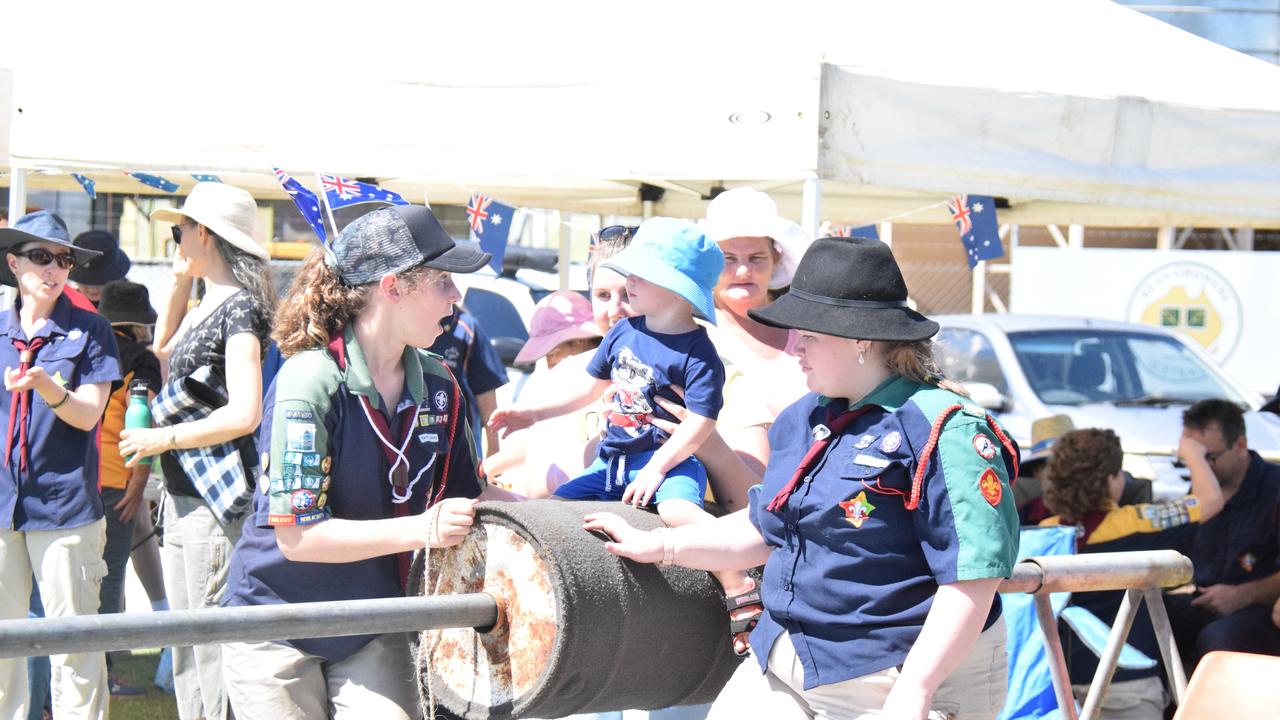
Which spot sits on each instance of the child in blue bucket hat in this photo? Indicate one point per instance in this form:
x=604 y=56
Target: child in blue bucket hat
x=671 y=267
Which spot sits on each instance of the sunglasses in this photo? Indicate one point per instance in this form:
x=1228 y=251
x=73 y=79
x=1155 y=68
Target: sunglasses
x=613 y=233
x=43 y=257
x=177 y=231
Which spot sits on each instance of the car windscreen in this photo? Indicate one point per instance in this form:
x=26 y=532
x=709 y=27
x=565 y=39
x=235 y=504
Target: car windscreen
x=1077 y=367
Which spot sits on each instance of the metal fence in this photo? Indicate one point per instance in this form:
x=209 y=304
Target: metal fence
x=1140 y=574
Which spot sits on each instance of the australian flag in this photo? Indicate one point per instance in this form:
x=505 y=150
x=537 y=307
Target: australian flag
x=205 y=178
x=975 y=218
x=154 y=181
x=341 y=192
x=869 y=232
x=87 y=184
x=307 y=202
x=490 y=223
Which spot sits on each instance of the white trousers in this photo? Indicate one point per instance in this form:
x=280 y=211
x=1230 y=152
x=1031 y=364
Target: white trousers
x=974 y=691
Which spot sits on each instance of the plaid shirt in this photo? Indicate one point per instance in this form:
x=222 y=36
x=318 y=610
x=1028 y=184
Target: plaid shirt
x=217 y=471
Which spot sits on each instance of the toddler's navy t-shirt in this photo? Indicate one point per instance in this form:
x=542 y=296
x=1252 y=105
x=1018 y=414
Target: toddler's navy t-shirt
x=641 y=364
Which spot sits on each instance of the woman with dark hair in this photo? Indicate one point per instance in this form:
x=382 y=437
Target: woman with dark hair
x=885 y=520
x=1083 y=487
x=367 y=457
x=222 y=340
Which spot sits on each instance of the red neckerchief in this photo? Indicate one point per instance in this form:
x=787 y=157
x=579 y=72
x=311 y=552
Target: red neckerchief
x=21 y=401
x=834 y=427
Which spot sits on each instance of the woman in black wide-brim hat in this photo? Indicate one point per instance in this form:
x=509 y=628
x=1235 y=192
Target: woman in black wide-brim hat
x=885 y=521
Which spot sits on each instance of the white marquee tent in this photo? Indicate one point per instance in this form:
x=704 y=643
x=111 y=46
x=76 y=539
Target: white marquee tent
x=1077 y=111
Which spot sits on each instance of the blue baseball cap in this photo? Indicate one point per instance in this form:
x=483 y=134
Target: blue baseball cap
x=41 y=226
x=676 y=255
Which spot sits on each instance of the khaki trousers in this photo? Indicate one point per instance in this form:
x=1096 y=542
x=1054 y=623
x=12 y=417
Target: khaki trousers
x=272 y=681
x=195 y=556
x=974 y=691
x=68 y=567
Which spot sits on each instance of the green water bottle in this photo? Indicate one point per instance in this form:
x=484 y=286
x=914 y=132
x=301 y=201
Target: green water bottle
x=138 y=414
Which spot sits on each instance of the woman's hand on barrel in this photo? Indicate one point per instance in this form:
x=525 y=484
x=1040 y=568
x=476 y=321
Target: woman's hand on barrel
x=449 y=521
x=677 y=411
x=628 y=542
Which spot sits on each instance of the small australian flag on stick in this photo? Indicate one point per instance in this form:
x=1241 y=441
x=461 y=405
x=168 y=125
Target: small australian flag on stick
x=975 y=218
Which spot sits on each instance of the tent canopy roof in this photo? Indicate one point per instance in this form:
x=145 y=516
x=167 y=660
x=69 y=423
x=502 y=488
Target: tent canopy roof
x=1075 y=110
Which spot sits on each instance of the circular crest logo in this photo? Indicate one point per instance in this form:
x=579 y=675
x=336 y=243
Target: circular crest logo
x=1194 y=300
x=302 y=500
x=441 y=399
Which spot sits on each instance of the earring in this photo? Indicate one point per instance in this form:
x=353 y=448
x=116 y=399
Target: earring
x=862 y=357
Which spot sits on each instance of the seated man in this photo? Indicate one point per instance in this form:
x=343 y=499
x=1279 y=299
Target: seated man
x=1237 y=571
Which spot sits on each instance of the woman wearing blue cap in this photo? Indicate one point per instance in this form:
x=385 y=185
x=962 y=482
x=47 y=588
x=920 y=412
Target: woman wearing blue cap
x=367 y=457
x=59 y=364
x=671 y=267
x=885 y=520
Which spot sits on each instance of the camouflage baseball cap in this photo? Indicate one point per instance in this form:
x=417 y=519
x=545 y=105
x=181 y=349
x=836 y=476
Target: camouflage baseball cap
x=394 y=239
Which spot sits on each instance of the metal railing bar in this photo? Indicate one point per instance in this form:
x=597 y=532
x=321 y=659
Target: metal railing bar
x=1164 y=640
x=1057 y=660
x=177 y=628
x=1106 y=670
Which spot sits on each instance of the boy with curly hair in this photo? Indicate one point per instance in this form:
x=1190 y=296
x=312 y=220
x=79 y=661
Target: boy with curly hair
x=1084 y=485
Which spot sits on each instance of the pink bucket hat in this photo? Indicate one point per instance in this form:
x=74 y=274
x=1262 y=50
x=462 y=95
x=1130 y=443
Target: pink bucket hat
x=559 y=317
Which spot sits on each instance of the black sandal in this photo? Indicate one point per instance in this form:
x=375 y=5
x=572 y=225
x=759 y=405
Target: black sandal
x=745 y=624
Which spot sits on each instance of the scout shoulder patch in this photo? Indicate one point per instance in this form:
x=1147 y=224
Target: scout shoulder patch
x=989 y=485
x=864 y=442
x=985 y=447
x=857 y=509
x=301 y=437
x=302 y=500
x=441 y=400
x=891 y=442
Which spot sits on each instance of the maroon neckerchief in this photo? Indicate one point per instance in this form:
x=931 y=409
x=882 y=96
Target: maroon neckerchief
x=835 y=427
x=398 y=464
x=21 y=400
x=1090 y=522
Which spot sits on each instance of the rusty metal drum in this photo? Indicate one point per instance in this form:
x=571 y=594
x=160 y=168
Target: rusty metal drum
x=579 y=630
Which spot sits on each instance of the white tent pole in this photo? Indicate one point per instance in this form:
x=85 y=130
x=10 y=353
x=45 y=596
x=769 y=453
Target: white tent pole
x=556 y=230
x=17 y=194
x=811 y=205
x=977 y=304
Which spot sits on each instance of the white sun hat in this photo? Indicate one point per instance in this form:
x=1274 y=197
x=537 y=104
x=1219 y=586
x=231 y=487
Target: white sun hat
x=744 y=212
x=228 y=211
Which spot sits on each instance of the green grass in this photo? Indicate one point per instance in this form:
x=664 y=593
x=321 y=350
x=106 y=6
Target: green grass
x=138 y=670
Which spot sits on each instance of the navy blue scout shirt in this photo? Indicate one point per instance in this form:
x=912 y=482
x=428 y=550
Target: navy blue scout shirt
x=466 y=349
x=325 y=461
x=853 y=573
x=1239 y=544
x=59 y=489
x=642 y=363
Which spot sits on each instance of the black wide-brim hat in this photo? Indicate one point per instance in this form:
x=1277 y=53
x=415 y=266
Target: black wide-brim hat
x=126 y=302
x=112 y=265
x=850 y=288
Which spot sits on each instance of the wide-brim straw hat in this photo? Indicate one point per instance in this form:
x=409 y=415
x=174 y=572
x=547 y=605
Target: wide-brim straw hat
x=744 y=212
x=850 y=288
x=1045 y=432
x=228 y=211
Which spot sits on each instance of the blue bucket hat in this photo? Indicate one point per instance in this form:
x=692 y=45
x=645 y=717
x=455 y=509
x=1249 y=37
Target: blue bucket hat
x=676 y=255
x=42 y=226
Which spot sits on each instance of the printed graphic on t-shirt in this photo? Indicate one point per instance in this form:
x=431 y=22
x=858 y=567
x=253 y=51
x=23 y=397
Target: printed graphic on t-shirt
x=631 y=408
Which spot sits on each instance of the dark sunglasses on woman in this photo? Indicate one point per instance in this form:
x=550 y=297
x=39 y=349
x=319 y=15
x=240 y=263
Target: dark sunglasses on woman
x=43 y=257
x=177 y=232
